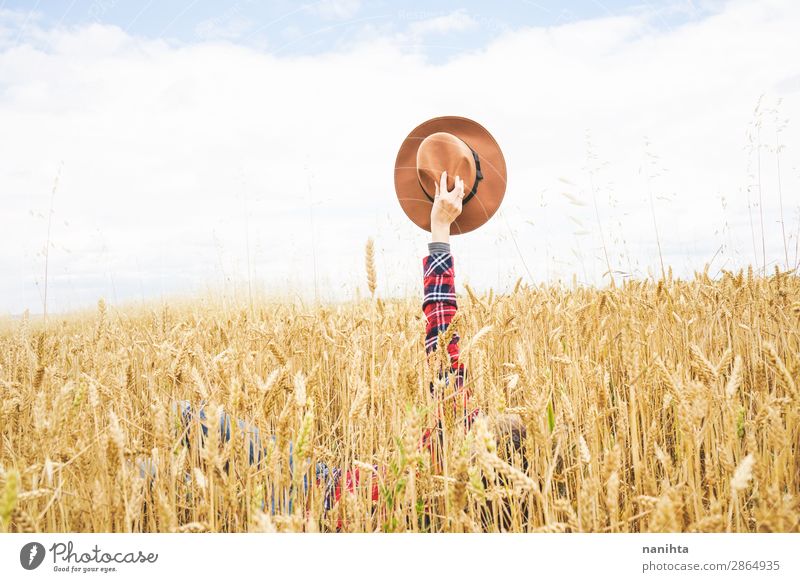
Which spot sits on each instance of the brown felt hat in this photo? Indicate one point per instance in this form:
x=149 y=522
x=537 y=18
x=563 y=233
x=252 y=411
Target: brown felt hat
x=462 y=147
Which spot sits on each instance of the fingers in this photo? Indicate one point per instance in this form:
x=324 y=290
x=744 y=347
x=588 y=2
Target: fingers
x=458 y=188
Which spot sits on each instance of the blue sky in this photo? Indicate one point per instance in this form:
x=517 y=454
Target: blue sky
x=292 y=28
x=155 y=149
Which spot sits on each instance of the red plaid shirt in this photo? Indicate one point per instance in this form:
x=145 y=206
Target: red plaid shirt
x=439 y=305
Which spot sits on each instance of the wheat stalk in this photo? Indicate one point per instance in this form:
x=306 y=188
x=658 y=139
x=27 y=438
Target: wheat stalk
x=372 y=277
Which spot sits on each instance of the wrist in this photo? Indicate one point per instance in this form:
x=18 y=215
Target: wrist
x=440 y=232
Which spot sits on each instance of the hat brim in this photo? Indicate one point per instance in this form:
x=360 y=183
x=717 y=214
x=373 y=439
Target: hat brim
x=413 y=200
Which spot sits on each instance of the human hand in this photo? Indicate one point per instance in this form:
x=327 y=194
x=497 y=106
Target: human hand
x=446 y=207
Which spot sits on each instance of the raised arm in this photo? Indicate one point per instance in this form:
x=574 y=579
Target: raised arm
x=439 y=299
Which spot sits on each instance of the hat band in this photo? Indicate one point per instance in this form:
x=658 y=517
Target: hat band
x=478 y=178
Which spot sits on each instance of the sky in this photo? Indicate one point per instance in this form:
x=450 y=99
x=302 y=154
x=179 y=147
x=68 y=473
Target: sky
x=152 y=150
x=289 y=27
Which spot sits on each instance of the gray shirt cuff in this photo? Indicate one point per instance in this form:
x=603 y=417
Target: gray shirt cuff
x=438 y=247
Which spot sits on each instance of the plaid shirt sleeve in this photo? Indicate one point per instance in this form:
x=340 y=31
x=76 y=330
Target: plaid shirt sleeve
x=439 y=301
x=440 y=306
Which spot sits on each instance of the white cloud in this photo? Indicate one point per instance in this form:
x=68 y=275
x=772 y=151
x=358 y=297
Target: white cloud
x=210 y=163
x=229 y=28
x=457 y=21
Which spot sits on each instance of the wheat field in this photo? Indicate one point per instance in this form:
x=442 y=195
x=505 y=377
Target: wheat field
x=654 y=406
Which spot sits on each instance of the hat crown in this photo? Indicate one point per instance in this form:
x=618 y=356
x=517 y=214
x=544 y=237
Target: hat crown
x=442 y=151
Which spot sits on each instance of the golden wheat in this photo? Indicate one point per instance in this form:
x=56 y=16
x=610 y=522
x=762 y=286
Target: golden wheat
x=630 y=424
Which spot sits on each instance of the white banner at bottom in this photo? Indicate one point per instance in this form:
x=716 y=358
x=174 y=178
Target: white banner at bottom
x=118 y=557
